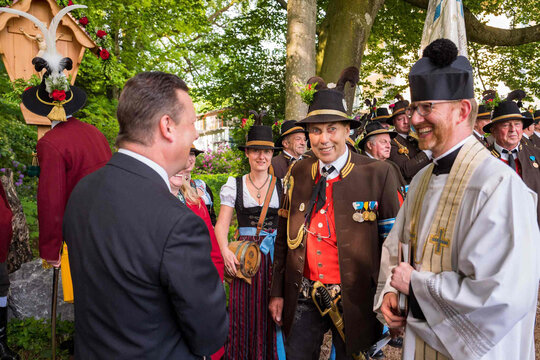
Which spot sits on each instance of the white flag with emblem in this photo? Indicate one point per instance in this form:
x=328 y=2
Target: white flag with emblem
x=445 y=19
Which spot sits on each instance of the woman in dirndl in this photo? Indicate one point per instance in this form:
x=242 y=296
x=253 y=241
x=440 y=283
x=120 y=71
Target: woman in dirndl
x=252 y=333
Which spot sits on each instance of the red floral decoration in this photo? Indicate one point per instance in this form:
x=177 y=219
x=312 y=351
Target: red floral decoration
x=244 y=121
x=70 y=3
x=83 y=21
x=104 y=54
x=100 y=34
x=28 y=88
x=58 y=95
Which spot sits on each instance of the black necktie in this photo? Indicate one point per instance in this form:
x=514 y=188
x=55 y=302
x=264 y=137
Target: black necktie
x=318 y=194
x=511 y=160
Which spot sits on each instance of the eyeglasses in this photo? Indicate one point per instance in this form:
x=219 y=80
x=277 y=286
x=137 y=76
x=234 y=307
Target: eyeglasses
x=424 y=109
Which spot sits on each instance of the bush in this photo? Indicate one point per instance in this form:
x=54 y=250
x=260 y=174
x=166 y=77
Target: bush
x=224 y=160
x=31 y=338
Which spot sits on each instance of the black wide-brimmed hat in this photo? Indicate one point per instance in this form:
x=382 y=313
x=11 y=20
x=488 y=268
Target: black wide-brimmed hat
x=536 y=116
x=290 y=127
x=62 y=100
x=259 y=136
x=350 y=143
x=381 y=115
x=195 y=150
x=398 y=108
x=483 y=113
x=441 y=74
x=489 y=99
x=507 y=110
x=327 y=104
x=375 y=128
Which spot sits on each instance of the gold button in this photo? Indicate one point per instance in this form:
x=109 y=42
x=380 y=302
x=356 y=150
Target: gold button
x=323 y=211
x=321 y=276
x=320 y=225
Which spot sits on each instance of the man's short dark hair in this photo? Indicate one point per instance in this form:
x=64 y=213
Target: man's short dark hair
x=146 y=97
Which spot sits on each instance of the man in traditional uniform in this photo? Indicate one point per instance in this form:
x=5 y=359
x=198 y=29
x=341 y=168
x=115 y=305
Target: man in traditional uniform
x=468 y=229
x=67 y=153
x=483 y=118
x=382 y=116
x=405 y=152
x=536 y=136
x=376 y=145
x=507 y=130
x=6 y=232
x=339 y=207
x=294 y=144
x=528 y=131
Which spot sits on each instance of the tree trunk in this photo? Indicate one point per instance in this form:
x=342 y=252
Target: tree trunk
x=300 y=65
x=346 y=35
x=19 y=250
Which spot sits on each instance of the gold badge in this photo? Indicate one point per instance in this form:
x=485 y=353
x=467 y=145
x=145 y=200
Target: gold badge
x=372 y=216
x=302 y=207
x=365 y=214
x=358 y=217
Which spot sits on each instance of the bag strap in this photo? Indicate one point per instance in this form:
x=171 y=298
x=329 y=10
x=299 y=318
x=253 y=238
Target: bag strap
x=266 y=204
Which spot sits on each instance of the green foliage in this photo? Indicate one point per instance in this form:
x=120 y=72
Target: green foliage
x=223 y=160
x=29 y=205
x=31 y=338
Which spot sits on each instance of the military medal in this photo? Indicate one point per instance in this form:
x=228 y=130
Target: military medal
x=535 y=165
x=302 y=207
x=533 y=159
x=372 y=216
x=357 y=216
x=365 y=214
x=373 y=206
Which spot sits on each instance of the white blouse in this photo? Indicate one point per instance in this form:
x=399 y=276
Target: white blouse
x=228 y=194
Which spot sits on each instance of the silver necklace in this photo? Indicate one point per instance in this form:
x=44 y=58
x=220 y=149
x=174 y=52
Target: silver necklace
x=258 y=188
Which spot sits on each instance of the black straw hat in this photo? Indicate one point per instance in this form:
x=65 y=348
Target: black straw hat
x=441 y=74
x=58 y=103
x=259 y=136
x=327 y=104
x=507 y=110
x=289 y=127
x=375 y=128
x=398 y=108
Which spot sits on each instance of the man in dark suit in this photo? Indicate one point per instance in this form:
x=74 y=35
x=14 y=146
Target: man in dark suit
x=338 y=209
x=405 y=151
x=507 y=129
x=293 y=141
x=535 y=138
x=482 y=119
x=143 y=277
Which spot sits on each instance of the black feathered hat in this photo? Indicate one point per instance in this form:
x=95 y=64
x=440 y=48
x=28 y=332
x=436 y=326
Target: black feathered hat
x=328 y=103
x=195 y=150
x=536 y=116
x=381 y=114
x=54 y=98
x=398 y=108
x=289 y=127
x=508 y=109
x=441 y=74
x=259 y=136
x=375 y=128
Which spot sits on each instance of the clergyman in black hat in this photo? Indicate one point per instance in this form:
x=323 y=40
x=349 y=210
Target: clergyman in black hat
x=507 y=126
x=338 y=208
x=294 y=144
x=405 y=152
x=467 y=226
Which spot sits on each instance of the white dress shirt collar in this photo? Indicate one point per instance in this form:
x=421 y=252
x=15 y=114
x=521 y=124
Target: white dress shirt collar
x=153 y=165
x=338 y=165
x=504 y=155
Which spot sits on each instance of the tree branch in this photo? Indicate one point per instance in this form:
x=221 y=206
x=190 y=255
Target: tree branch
x=488 y=35
x=283 y=4
x=215 y=15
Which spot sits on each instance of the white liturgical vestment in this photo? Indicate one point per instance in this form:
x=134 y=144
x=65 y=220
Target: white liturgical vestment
x=485 y=307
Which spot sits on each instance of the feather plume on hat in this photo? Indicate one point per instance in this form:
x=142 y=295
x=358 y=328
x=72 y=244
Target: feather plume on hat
x=517 y=95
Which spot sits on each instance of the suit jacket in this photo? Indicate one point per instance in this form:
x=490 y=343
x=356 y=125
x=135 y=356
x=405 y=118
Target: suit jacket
x=529 y=161
x=410 y=161
x=482 y=139
x=359 y=244
x=281 y=163
x=66 y=154
x=145 y=284
x=535 y=139
x=6 y=230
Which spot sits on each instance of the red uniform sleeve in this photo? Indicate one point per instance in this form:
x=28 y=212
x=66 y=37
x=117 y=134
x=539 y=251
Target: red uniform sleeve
x=6 y=231
x=51 y=200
